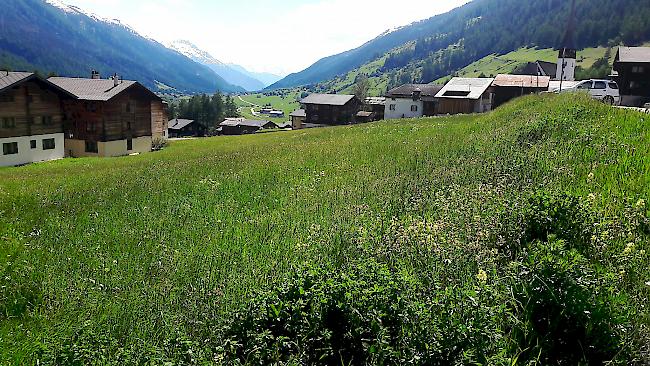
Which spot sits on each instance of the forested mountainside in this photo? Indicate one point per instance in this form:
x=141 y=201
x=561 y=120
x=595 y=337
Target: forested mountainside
x=441 y=45
x=51 y=37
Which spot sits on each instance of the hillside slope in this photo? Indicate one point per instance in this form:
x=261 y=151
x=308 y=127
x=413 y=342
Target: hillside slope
x=53 y=37
x=521 y=236
x=433 y=48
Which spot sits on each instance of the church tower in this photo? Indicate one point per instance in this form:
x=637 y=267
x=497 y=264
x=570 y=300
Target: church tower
x=566 y=63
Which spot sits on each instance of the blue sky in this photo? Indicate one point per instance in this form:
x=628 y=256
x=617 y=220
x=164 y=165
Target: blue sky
x=280 y=36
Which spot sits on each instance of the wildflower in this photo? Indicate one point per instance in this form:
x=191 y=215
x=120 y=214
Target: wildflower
x=482 y=276
x=640 y=203
x=590 y=177
x=628 y=249
x=592 y=197
x=647 y=283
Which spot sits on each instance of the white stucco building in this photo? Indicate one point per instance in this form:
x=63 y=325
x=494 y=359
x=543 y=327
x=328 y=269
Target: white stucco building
x=411 y=101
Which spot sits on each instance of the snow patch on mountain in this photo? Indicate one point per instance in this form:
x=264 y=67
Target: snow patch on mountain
x=190 y=50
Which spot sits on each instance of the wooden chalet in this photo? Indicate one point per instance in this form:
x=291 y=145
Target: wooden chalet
x=31 y=119
x=241 y=126
x=632 y=72
x=508 y=87
x=412 y=101
x=298 y=118
x=466 y=96
x=179 y=127
x=110 y=117
x=331 y=109
x=376 y=105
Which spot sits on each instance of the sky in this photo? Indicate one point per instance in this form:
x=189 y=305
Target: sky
x=278 y=36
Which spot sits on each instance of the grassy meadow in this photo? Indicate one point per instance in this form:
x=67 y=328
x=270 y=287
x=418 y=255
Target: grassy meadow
x=287 y=104
x=518 y=237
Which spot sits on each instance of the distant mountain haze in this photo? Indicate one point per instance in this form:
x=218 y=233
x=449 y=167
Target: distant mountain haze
x=233 y=74
x=49 y=36
x=439 y=46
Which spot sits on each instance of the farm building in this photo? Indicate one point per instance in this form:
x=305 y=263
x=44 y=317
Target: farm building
x=508 y=87
x=31 y=119
x=331 y=109
x=412 y=101
x=466 y=95
x=185 y=128
x=110 y=117
x=539 y=68
x=298 y=118
x=376 y=105
x=632 y=72
x=241 y=126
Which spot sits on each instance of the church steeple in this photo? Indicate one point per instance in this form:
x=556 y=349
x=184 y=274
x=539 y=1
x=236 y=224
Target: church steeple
x=566 y=64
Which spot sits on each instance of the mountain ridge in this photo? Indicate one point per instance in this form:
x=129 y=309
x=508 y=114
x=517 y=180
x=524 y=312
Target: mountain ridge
x=441 y=45
x=52 y=37
x=226 y=71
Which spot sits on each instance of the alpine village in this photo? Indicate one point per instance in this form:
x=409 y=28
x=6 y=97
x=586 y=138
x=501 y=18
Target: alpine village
x=468 y=189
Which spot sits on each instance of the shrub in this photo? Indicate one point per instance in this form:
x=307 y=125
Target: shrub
x=363 y=314
x=566 y=320
x=159 y=143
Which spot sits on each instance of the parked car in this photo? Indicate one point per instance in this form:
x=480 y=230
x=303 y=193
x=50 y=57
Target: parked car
x=604 y=90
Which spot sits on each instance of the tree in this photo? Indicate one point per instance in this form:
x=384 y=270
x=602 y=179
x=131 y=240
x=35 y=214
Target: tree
x=361 y=86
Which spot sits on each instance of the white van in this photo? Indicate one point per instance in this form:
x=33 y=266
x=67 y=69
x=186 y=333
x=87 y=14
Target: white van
x=603 y=90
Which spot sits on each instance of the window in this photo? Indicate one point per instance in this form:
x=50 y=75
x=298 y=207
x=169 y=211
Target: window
x=600 y=85
x=49 y=144
x=32 y=144
x=457 y=93
x=8 y=122
x=129 y=144
x=47 y=120
x=7 y=98
x=91 y=147
x=638 y=69
x=91 y=127
x=10 y=148
x=392 y=107
x=585 y=85
x=613 y=85
x=414 y=108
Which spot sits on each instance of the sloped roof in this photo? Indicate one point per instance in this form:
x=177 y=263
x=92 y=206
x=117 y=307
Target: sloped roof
x=9 y=79
x=101 y=90
x=465 y=88
x=328 y=99
x=407 y=90
x=233 y=122
x=522 y=81
x=633 y=54
x=549 y=68
x=178 y=123
x=364 y=114
x=375 y=100
x=298 y=113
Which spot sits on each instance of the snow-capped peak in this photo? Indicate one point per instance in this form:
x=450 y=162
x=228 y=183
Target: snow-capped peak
x=190 y=50
x=76 y=10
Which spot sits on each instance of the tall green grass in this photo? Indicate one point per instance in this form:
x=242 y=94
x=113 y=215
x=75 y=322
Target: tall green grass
x=148 y=259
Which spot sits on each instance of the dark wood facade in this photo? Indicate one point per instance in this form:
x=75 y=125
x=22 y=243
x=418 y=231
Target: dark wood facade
x=325 y=114
x=124 y=117
x=31 y=108
x=632 y=66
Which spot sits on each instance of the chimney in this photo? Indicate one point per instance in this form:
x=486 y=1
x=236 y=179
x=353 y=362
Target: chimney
x=417 y=94
x=95 y=75
x=116 y=80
